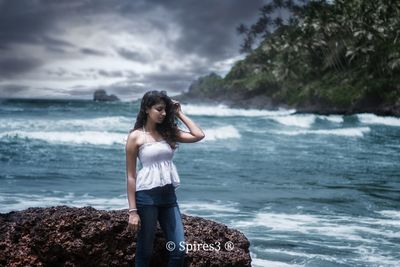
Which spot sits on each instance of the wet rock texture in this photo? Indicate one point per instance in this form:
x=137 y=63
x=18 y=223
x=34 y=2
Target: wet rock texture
x=67 y=236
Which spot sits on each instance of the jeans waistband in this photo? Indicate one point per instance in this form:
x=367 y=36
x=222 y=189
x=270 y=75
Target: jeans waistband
x=160 y=196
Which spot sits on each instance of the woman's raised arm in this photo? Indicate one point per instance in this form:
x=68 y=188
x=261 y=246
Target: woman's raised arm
x=195 y=134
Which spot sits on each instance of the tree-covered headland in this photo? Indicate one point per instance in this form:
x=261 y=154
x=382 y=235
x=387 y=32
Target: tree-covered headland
x=340 y=56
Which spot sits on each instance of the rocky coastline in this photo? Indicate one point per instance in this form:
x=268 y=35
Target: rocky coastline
x=265 y=102
x=68 y=236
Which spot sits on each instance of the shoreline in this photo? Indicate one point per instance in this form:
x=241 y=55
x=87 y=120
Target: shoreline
x=265 y=103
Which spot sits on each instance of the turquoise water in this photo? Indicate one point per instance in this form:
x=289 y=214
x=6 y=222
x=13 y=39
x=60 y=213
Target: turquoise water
x=307 y=190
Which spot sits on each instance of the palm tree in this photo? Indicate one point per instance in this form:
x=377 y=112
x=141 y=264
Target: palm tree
x=338 y=35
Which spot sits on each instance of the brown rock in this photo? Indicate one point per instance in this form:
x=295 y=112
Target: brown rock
x=66 y=236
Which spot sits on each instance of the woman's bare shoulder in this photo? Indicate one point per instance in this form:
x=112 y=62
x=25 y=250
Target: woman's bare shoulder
x=134 y=134
x=135 y=137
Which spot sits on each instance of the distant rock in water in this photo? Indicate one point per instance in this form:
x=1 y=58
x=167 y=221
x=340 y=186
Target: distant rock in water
x=67 y=236
x=101 y=95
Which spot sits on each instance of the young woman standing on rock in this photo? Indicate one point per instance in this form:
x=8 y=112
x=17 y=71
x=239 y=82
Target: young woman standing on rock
x=151 y=191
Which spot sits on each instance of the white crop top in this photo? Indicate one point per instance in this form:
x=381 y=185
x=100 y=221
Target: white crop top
x=157 y=166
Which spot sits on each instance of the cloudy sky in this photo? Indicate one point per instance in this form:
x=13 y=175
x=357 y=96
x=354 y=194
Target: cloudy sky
x=69 y=48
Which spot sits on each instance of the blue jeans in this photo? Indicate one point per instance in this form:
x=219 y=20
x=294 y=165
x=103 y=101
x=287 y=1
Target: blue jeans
x=159 y=204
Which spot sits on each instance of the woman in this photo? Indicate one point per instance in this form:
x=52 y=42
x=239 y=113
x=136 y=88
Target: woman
x=151 y=191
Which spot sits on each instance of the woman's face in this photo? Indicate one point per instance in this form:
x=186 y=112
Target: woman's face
x=157 y=112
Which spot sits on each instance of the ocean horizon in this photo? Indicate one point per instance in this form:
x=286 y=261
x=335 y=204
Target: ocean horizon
x=305 y=189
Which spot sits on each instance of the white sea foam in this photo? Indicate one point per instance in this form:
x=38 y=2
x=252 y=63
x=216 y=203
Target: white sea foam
x=374 y=119
x=373 y=257
x=338 y=227
x=102 y=123
x=82 y=137
x=104 y=137
x=350 y=132
x=111 y=123
x=24 y=201
x=366 y=255
x=304 y=120
x=298 y=120
x=307 y=255
x=331 y=118
x=224 y=111
x=223 y=132
x=257 y=262
x=394 y=214
x=195 y=207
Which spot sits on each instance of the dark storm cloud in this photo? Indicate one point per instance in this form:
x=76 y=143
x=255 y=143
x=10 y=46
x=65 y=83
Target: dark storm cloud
x=12 y=89
x=113 y=74
x=122 y=90
x=207 y=31
x=67 y=74
x=92 y=52
x=11 y=66
x=56 y=50
x=81 y=91
x=177 y=81
x=135 y=88
x=136 y=85
x=59 y=72
x=27 y=22
x=209 y=27
x=52 y=42
x=36 y=22
x=196 y=69
x=133 y=55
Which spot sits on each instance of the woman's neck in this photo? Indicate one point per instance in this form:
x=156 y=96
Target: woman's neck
x=150 y=127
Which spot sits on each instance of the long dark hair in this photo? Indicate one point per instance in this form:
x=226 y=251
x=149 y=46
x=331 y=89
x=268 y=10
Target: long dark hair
x=168 y=129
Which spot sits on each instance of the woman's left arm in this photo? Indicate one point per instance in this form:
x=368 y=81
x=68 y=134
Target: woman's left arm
x=195 y=134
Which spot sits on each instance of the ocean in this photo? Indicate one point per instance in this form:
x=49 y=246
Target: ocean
x=306 y=189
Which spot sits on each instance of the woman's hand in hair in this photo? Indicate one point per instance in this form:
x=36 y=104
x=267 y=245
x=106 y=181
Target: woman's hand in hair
x=177 y=106
x=195 y=134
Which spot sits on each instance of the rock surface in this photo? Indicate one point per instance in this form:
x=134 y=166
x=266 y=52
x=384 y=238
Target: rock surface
x=101 y=95
x=66 y=236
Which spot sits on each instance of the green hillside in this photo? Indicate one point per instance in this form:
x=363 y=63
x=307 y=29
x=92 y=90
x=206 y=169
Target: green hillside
x=340 y=57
